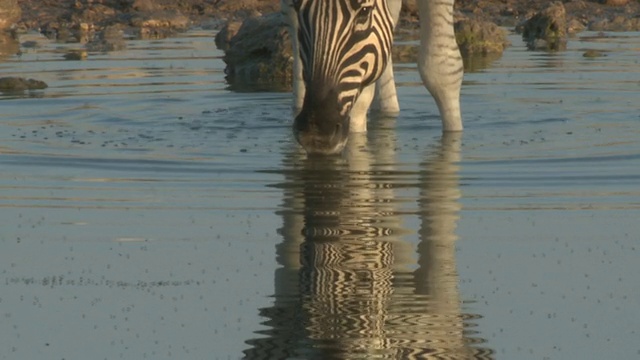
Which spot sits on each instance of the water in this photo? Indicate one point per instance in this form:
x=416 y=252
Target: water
x=148 y=212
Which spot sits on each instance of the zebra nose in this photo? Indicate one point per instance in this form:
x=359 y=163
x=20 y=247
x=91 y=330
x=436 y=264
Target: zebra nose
x=328 y=139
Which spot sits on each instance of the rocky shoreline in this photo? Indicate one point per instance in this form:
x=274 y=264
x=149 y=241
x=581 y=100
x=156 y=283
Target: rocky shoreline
x=76 y=20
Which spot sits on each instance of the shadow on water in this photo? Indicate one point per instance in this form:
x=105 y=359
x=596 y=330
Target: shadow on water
x=349 y=285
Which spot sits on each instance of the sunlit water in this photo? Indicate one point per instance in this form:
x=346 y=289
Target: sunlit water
x=148 y=212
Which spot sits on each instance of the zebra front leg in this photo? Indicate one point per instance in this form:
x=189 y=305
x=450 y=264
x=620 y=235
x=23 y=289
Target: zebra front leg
x=439 y=60
x=386 y=99
x=286 y=7
x=358 y=113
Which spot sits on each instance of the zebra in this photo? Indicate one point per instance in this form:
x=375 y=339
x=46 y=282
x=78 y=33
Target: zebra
x=342 y=59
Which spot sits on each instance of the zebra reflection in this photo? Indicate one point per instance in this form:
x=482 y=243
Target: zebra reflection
x=351 y=285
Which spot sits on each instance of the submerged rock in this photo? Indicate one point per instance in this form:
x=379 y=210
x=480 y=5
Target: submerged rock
x=547 y=29
x=594 y=53
x=258 y=56
x=8 y=84
x=76 y=55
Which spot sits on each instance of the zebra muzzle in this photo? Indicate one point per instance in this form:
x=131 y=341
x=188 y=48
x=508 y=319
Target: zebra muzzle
x=321 y=136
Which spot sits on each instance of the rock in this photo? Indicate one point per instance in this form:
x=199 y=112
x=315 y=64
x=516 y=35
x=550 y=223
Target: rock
x=158 y=24
x=144 y=5
x=243 y=8
x=76 y=55
x=224 y=36
x=65 y=20
x=9 y=45
x=109 y=39
x=259 y=56
x=480 y=37
x=156 y=19
x=10 y=13
x=619 y=23
x=17 y=84
x=547 y=30
x=575 y=26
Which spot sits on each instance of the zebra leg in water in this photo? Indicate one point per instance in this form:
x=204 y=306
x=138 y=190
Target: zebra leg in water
x=439 y=61
x=386 y=98
x=288 y=10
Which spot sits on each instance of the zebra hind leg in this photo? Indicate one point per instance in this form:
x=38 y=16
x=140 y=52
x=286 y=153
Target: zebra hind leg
x=386 y=97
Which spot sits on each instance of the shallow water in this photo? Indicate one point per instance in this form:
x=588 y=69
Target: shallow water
x=148 y=212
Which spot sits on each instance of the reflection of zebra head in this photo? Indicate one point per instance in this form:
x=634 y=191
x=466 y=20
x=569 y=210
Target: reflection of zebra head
x=344 y=46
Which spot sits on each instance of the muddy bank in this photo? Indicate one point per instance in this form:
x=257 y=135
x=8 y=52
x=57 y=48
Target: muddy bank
x=79 y=20
x=611 y=15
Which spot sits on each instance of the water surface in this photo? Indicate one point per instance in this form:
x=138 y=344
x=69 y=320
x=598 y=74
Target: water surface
x=148 y=212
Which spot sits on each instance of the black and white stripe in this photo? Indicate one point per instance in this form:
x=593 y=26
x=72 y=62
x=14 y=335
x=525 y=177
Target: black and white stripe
x=345 y=45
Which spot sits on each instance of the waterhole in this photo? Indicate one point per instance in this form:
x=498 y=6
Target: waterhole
x=149 y=212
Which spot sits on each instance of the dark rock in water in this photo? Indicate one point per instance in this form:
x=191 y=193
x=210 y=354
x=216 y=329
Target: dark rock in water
x=259 y=55
x=9 y=84
x=10 y=13
x=547 y=30
x=75 y=55
x=480 y=37
x=594 y=53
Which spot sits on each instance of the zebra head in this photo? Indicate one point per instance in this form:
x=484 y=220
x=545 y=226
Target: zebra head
x=344 y=46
